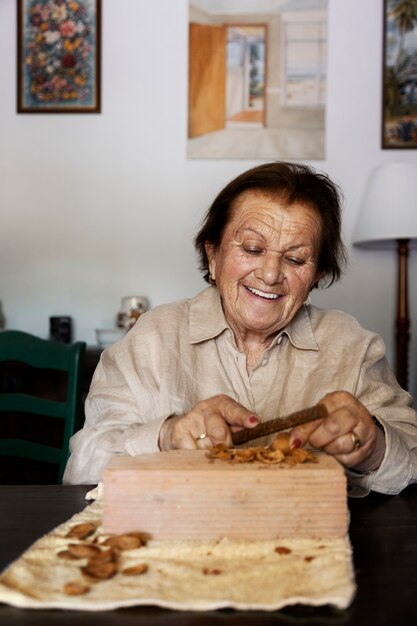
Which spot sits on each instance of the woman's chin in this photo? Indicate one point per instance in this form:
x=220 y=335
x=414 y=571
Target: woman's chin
x=264 y=326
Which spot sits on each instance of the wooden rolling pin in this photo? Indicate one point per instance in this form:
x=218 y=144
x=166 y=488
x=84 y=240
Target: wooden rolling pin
x=280 y=423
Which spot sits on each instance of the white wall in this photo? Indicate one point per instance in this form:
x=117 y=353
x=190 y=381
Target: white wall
x=96 y=207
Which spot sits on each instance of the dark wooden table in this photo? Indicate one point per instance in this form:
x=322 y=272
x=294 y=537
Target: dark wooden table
x=383 y=532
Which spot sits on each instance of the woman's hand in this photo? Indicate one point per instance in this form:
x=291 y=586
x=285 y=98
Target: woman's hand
x=348 y=433
x=210 y=422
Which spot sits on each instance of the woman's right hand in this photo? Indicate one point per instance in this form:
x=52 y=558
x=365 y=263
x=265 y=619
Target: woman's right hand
x=209 y=423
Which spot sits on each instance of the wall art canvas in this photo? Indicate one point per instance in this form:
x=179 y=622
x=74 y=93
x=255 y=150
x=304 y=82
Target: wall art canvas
x=257 y=76
x=399 y=117
x=58 y=56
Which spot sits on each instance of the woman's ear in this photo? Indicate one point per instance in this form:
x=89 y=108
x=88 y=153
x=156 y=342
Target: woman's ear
x=317 y=280
x=211 y=256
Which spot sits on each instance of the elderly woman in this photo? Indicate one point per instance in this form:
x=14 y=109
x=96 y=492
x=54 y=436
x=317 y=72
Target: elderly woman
x=250 y=347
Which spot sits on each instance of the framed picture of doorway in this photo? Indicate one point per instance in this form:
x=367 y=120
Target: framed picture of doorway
x=257 y=79
x=58 y=56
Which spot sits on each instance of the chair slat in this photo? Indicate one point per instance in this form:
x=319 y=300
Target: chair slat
x=42 y=354
x=24 y=403
x=29 y=449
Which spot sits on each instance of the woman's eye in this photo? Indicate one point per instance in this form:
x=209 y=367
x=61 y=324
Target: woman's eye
x=252 y=250
x=295 y=261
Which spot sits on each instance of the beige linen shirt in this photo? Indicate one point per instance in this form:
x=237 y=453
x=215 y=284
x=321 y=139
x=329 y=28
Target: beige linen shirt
x=178 y=354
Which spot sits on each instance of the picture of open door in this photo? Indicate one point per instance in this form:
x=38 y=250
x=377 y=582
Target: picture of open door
x=207 y=79
x=257 y=79
x=226 y=77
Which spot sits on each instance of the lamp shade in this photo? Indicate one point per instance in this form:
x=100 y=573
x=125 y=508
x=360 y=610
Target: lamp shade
x=389 y=206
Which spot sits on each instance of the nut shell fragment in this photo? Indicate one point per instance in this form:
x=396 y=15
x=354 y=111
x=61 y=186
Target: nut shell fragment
x=66 y=554
x=270 y=456
x=278 y=452
x=282 y=550
x=82 y=550
x=136 y=570
x=82 y=531
x=211 y=572
x=105 y=555
x=282 y=442
x=128 y=541
x=75 y=589
x=301 y=455
x=99 y=570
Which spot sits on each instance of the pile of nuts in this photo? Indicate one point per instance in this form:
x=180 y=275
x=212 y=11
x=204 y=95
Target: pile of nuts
x=102 y=554
x=279 y=451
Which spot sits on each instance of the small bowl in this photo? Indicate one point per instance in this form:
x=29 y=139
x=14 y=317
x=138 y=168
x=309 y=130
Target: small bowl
x=107 y=336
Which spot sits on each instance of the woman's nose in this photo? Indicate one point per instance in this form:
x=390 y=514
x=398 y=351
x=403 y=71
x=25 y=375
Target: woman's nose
x=269 y=270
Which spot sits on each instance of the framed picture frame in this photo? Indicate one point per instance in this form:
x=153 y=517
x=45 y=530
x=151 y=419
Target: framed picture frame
x=399 y=108
x=264 y=70
x=59 y=56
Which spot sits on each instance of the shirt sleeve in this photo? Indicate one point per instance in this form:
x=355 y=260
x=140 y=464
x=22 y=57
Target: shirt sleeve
x=122 y=416
x=380 y=392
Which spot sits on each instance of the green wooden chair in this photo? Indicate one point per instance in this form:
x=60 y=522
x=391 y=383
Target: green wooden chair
x=40 y=358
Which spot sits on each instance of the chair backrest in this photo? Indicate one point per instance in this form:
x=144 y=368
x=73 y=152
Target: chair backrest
x=42 y=354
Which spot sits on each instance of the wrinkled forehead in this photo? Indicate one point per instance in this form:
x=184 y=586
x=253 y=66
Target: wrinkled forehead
x=269 y=208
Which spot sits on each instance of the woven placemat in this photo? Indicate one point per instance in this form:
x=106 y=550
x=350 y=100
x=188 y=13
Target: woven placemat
x=184 y=575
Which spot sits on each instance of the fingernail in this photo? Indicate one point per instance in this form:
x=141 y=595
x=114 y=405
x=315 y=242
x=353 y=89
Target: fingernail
x=296 y=443
x=253 y=420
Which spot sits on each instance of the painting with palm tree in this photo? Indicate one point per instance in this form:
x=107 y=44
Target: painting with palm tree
x=399 y=128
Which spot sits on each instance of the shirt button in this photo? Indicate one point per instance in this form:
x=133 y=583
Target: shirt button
x=264 y=362
x=279 y=340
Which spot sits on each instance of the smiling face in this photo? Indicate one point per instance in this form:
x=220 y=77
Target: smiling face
x=265 y=265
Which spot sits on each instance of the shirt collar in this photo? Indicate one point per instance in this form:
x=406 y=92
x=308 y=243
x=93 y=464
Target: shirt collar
x=300 y=331
x=207 y=321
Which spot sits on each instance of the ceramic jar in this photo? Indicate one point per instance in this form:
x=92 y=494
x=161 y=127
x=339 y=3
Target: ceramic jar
x=132 y=308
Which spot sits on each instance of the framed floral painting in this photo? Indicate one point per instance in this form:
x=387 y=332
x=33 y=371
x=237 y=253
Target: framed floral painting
x=58 y=56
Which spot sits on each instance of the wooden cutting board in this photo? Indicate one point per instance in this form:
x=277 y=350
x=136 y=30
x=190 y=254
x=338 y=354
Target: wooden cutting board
x=185 y=495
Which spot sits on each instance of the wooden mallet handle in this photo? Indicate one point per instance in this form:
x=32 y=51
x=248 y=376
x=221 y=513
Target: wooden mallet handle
x=280 y=423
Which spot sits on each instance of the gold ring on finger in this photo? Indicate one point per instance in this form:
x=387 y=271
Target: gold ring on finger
x=355 y=440
x=202 y=436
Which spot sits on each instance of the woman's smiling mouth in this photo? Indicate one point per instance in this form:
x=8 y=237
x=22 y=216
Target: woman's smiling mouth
x=262 y=294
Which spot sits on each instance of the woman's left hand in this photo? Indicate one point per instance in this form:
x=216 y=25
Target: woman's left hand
x=348 y=433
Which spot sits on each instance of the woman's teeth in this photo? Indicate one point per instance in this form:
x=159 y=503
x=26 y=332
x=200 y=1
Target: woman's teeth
x=263 y=294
